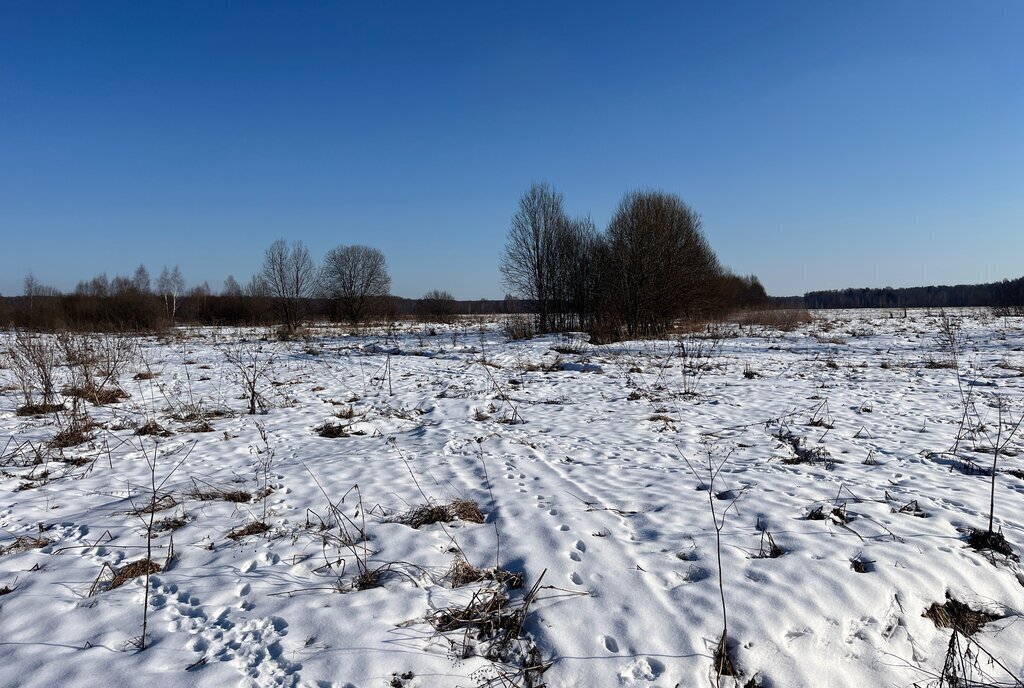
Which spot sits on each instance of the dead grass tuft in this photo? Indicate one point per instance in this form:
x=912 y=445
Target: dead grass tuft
x=170 y=523
x=463 y=573
x=152 y=428
x=23 y=544
x=724 y=666
x=254 y=528
x=38 y=409
x=212 y=494
x=982 y=539
x=161 y=503
x=427 y=514
x=79 y=431
x=956 y=614
x=333 y=430
x=102 y=396
x=135 y=569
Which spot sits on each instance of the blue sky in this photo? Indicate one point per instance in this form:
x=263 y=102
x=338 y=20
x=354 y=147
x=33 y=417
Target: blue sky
x=826 y=144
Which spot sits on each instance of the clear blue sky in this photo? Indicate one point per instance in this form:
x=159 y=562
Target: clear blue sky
x=826 y=144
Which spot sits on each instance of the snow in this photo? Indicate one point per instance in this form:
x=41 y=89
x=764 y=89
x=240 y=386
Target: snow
x=591 y=469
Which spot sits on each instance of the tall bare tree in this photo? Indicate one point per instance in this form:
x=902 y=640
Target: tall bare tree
x=289 y=276
x=355 y=277
x=140 y=280
x=528 y=264
x=170 y=285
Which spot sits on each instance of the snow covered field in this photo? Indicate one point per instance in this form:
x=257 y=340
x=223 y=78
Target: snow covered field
x=844 y=514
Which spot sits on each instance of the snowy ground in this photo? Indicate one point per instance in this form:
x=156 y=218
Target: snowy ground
x=591 y=469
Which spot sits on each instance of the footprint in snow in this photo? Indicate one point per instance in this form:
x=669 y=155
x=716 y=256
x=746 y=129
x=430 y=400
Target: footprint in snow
x=640 y=671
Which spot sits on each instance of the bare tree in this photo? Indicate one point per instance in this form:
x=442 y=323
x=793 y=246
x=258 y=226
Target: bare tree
x=231 y=287
x=355 y=277
x=289 y=276
x=575 y=272
x=171 y=285
x=528 y=263
x=140 y=279
x=660 y=264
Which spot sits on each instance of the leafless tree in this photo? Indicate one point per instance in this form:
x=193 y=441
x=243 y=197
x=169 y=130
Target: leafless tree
x=231 y=287
x=575 y=273
x=289 y=276
x=140 y=280
x=171 y=285
x=355 y=277
x=660 y=264
x=528 y=263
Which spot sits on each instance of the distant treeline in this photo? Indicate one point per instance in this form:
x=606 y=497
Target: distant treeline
x=1008 y=294
x=141 y=312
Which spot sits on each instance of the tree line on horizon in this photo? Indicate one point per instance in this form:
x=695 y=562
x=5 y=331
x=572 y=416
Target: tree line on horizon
x=1006 y=296
x=650 y=267
x=351 y=284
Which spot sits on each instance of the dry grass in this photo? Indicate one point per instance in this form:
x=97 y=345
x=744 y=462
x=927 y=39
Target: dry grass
x=201 y=426
x=100 y=397
x=333 y=430
x=161 y=503
x=79 y=431
x=427 y=514
x=956 y=614
x=784 y=319
x=463 y=573
x=213 y=494
x=152 y=428
x=23 y=544
x=135 y=569
x=254 y=528
x=981 y=539
x=38 y=409
x=170 y=523
x=724 y=666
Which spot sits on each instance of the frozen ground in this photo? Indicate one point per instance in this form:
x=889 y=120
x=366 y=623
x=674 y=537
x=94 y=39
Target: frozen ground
x=590 y=468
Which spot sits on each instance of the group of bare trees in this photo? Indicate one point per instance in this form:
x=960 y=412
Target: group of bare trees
x=355 y=278
x=652 y=265
x=352 y=282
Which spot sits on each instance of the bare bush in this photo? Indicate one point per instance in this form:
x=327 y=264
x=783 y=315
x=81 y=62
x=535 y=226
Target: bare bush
x=252 y=366
x=33 y=360
x=97 y=363
x=518 y=327
x=697 y=354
